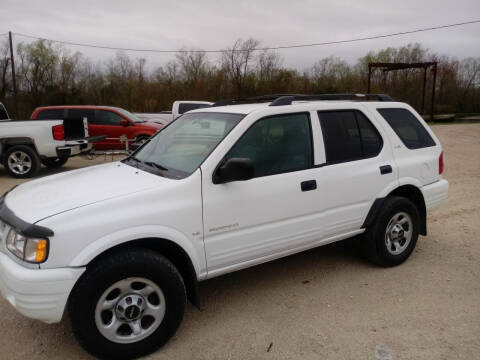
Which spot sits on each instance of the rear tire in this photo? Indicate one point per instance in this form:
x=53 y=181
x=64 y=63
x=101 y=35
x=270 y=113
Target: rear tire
x=22 y=161
x=53 y=163
x=392 y=237
x=140 y=277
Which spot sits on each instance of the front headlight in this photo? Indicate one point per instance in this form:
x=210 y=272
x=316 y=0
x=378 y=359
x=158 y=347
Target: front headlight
x=27 y=249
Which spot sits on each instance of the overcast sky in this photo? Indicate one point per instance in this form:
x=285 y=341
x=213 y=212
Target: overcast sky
x=210 y=24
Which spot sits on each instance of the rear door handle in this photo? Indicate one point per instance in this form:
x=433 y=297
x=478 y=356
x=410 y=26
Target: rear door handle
x=385 y=169
x=308 y=185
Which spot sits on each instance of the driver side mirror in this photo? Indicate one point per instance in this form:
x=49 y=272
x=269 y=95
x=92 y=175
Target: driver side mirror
x=234 y=169
x=124 y=122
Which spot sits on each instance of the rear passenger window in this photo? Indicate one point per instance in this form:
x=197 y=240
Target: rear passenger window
x=51 y=114
x=408 y=128
x=348 y=135
x=81 y=113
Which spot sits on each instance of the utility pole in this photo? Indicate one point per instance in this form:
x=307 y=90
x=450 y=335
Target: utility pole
x=14 y=81
x=424 y=89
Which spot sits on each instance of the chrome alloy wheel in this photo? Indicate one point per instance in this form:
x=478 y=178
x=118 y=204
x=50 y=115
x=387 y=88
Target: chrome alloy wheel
x=130 y=310
x=19 y=162
x=399 y=233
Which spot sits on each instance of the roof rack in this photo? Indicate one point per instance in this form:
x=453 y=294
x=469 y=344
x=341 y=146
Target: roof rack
x=287 y=99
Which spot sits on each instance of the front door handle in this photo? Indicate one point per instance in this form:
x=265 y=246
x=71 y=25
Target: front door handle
x=385 y=169
x=308 y=185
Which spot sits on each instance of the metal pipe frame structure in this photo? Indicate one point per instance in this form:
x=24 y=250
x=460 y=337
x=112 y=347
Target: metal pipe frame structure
x=402 y=66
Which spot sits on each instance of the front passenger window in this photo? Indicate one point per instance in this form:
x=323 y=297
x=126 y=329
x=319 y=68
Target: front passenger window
x=277 y=144
x=105 y=117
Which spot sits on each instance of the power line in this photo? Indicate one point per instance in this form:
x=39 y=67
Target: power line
x=261 y=48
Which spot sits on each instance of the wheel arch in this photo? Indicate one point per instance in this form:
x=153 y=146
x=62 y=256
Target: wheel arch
x=408 y=191
x=172 y=251
x=7 y=143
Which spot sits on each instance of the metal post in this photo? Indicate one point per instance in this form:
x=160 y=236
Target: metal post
x=14 y=82
x=369 y=76
x=433 y=90
x=424 y=88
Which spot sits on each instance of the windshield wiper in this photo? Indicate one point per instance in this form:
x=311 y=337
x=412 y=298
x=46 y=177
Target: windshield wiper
x=155 y=165
x=130 y=158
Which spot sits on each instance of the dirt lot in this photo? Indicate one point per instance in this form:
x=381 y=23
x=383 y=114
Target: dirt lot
x=326 y=303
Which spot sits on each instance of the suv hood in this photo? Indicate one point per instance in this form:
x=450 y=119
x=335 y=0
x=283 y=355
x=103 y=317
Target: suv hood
x=51 y=195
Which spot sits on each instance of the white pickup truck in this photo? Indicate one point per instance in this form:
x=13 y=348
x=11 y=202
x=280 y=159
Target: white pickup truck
x=178 y=108
x=26 y=144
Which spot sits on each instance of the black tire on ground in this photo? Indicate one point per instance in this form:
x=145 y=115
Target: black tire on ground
x=374 y=242
x=29 y=156
x=141 y=139
x=53 y=163
x=100 y=276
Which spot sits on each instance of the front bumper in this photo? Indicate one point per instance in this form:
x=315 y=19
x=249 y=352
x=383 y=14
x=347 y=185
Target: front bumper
x=37 y=293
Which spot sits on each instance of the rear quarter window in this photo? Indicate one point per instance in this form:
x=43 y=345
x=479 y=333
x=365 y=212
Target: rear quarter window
x=81 y=113
x=411 y=131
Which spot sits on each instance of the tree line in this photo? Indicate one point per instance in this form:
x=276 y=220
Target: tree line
x=49 y=74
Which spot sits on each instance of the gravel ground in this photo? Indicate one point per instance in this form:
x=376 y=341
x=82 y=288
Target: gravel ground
x=326 y=303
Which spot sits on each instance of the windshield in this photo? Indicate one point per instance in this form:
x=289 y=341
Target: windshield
x=179 y=149
x=129 y=115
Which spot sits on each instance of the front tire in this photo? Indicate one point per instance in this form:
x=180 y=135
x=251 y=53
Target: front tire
x=127 y=305
x=393 y=236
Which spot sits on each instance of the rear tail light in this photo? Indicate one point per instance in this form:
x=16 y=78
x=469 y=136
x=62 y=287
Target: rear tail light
x=58 y=132
x=441 y=164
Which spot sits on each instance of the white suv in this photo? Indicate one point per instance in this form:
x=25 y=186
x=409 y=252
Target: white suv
x=122 y=245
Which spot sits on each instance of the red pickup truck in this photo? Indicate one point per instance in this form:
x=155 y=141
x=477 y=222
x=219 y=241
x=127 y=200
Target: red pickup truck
x=103 y=120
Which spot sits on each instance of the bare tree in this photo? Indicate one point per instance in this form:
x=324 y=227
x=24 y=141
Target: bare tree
x=37 y=69
x=193 y=65
x=237 y=61
x=5 y=74
x=269 y=63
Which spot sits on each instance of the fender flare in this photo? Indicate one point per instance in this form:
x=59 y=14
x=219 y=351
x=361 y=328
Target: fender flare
x=107 y=242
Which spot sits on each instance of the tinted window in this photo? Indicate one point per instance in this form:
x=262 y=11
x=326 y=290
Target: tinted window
x=348 y=135
x=408 y=128
x=3 y=112
x=277 y=144
x=371 y=139
x=184 y=107
x=81 y=113
x=51 y=114
x=105 y=117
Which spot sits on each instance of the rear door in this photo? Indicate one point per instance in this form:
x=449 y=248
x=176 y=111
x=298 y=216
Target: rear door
x=358 y=168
